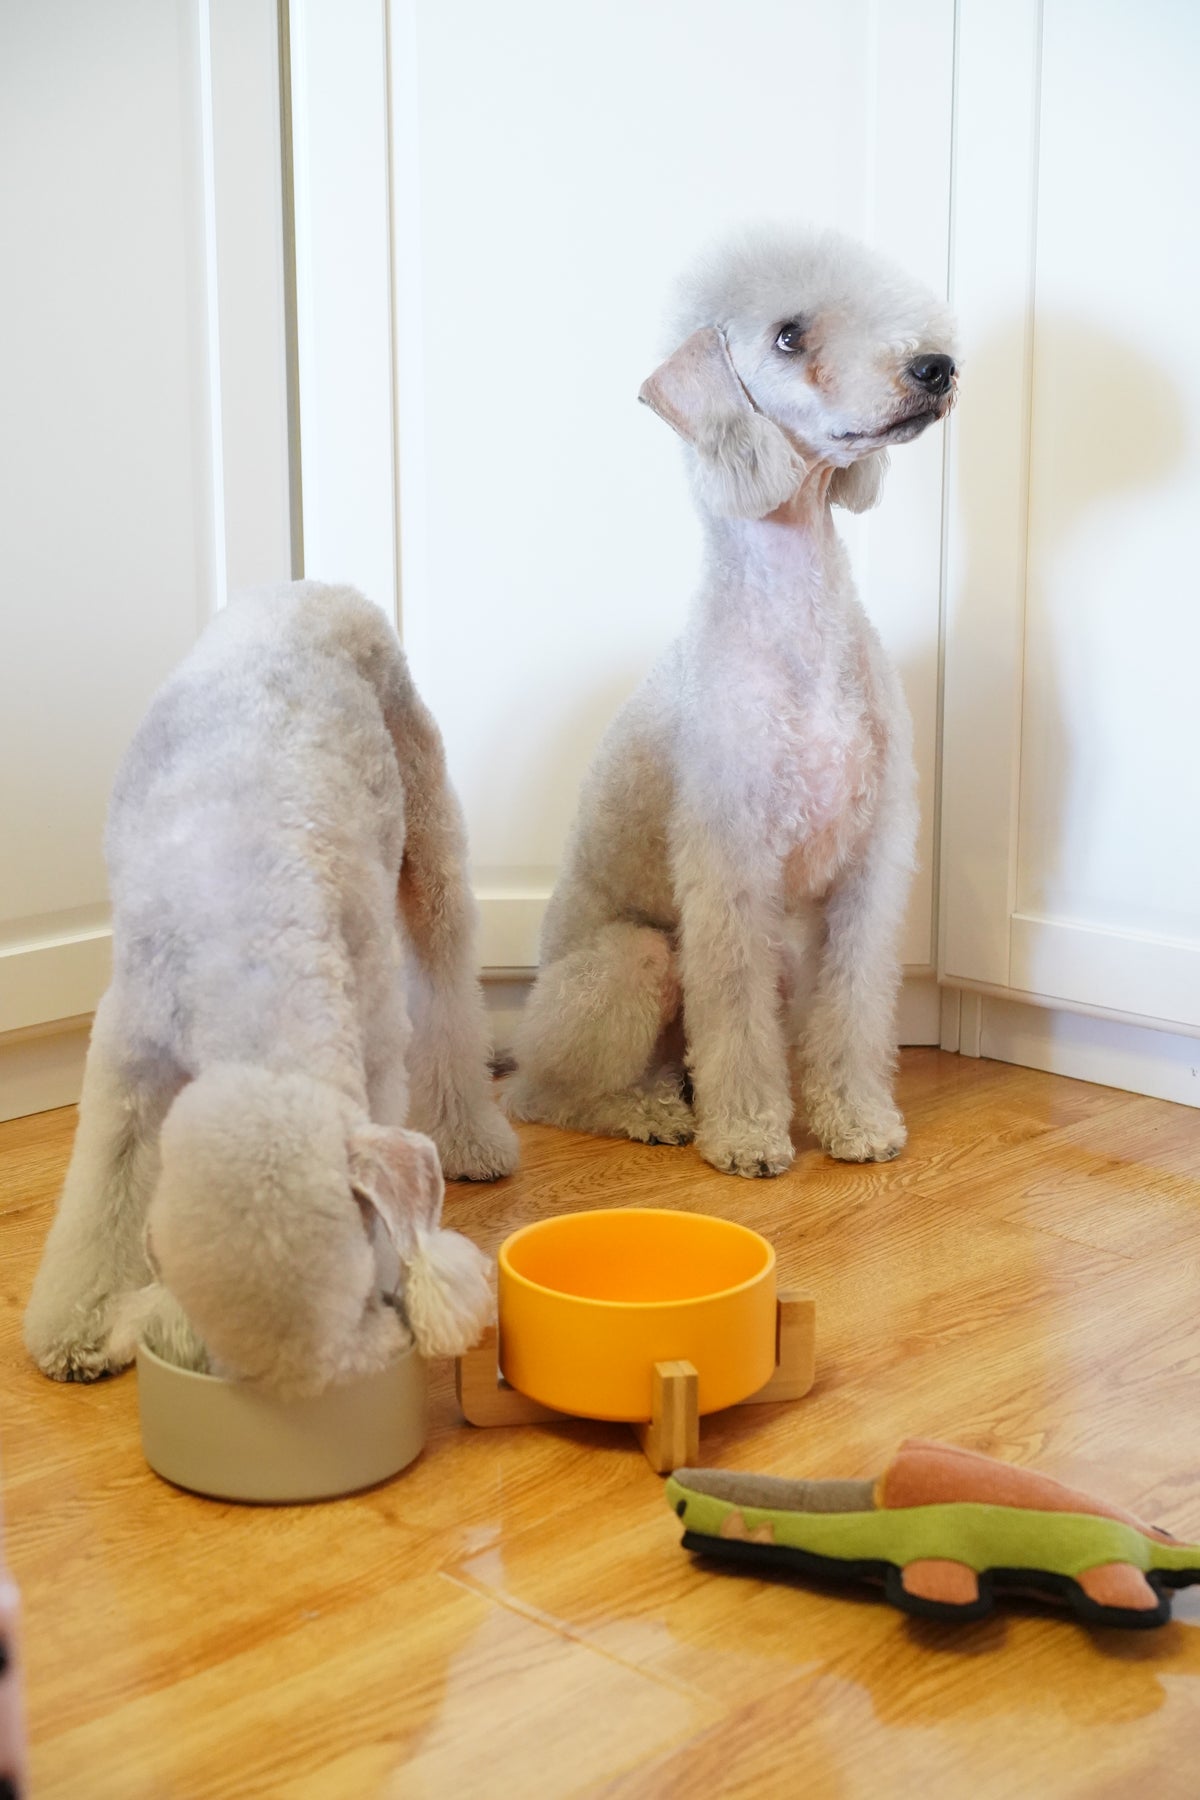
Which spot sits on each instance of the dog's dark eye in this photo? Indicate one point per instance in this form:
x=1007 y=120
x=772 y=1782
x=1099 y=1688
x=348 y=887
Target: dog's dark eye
x=790 y=338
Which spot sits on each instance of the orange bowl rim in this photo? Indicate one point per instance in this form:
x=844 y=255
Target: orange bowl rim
x=608 y=1212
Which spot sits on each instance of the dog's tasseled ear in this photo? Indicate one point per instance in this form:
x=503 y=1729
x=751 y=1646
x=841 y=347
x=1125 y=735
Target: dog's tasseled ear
x=445 y=1279
x=860 y=487
x=399 y=1174
x=745 y=467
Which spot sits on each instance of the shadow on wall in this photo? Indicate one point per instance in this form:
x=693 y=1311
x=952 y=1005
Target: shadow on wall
x=1127 y=427
x=1107 y=424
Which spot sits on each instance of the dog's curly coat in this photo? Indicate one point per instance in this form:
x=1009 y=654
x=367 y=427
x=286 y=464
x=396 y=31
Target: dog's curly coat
x=741 y=855
x=252 y=1068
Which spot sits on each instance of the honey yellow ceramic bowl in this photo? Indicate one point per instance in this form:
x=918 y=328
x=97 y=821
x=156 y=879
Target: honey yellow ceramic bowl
x=590 y=1301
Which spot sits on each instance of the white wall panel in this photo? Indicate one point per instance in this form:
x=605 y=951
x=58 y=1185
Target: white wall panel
x=104 y=497
x=339 y=95
x=247 y=262
x=1070 y=859
x=995 y=186
x=1110 y=779
x=140 y=215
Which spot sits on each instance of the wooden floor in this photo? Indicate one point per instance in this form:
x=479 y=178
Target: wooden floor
x=514 y=1615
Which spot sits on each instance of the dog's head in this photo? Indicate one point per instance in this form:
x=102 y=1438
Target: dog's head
x=799 y=352
x=263 y=1223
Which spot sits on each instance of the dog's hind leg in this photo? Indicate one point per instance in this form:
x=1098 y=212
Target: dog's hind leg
x=94 y=1255
x=387 y=1045
x=586 y=1047
x=450 y=1087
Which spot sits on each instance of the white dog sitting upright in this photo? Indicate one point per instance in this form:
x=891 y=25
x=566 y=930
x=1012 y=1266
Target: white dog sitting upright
x=741 y=856
x=245 y=1131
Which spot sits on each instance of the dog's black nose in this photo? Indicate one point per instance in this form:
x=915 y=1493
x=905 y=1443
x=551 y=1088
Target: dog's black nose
x=933 y=373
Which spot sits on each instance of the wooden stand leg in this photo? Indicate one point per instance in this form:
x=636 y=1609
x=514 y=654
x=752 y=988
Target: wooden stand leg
x=484 y=1395
x=671 y=1440
x=795 y=1350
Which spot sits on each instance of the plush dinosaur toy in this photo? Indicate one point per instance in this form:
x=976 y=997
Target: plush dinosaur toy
x=944 y=1530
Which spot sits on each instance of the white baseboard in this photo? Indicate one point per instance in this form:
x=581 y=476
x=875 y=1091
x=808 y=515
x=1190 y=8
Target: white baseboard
x=918 y=1016
x=42 y=1070
x=1109 y=1052
x=58 y=975
x=919 y=1010
x=505 y=997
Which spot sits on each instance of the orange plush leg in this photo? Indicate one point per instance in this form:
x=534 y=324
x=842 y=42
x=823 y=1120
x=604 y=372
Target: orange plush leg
x=938 y=1579
x=1119 y=1585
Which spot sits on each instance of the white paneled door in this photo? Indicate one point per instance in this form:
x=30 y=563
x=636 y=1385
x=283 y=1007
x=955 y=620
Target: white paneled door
x=144 y=434
x=1070 y=849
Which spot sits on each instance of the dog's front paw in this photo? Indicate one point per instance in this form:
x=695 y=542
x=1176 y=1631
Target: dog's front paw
x=872 y=1137
x=482 y=1148
x=83 y=1356
x=750 y=1151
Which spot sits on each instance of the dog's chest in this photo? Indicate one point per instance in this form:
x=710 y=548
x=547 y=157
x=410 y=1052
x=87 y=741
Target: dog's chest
x=828 y=774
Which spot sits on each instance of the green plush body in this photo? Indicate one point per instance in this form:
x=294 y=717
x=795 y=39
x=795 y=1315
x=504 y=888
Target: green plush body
x=982 y=1537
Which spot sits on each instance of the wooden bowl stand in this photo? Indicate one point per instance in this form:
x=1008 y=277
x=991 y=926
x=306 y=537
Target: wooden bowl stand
x=671 y=1436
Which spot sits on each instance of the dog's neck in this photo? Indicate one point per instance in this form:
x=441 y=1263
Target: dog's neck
x=776 y=570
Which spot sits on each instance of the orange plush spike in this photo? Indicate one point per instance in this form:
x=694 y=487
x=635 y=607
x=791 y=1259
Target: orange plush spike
x=930 y=1474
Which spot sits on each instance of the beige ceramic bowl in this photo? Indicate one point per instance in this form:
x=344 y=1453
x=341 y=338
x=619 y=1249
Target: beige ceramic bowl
x=223 y=1439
